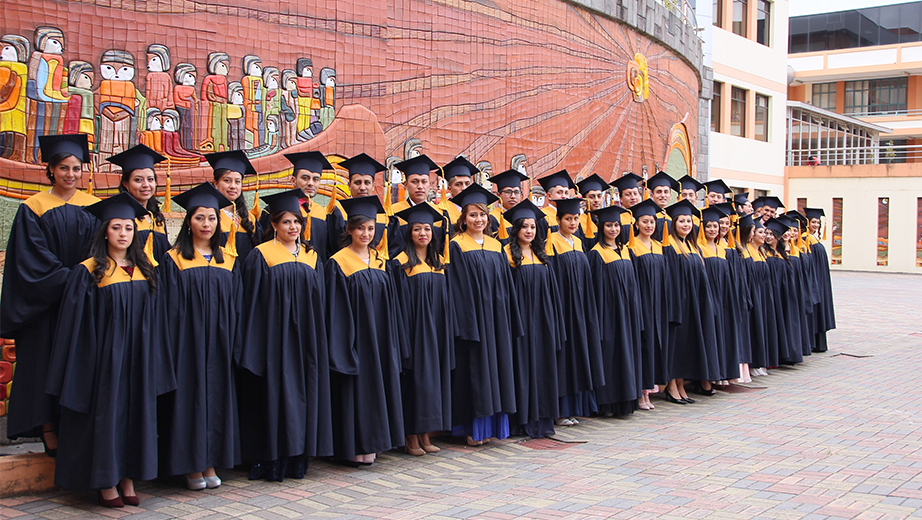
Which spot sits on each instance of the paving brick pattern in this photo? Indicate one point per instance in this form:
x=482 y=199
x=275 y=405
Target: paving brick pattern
x=835 y=437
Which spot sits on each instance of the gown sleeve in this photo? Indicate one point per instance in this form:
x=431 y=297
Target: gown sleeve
x=462 y=292
x=253 y=322
x=341 y=333
x=673 y=280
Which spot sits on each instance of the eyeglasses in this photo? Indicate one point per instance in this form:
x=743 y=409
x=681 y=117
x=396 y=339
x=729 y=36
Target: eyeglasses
x=511 y=191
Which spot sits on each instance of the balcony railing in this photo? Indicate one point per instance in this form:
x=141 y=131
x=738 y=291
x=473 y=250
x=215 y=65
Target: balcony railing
x=878 y=153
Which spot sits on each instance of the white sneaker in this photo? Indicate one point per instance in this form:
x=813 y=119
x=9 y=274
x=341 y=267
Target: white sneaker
x=574 y=421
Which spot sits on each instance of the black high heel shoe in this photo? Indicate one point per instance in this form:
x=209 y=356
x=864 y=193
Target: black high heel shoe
x=689 y=400
x=51 y=452
x=699 y=389
x=671 y=399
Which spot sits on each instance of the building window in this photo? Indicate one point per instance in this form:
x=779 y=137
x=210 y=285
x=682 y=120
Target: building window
x=836 y=257
x=876 y=96
x=919 y=232
x=740 y=15
x=763 y=21
x=718 y=13
x=824 y=95
x=883 y=231
x=715 y=107
x=868 y=27
x=761 y=118
x=894 y=151
x=738 y=112
x=801 y=204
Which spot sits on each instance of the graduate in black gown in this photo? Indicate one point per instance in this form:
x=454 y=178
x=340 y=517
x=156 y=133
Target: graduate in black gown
x=724 y=295
x=201 y=300
x=362 y=172
x=592 y=189
x=48 y=237
x=801 y=258
x=824 y=314
x=237 y=221
x=488 y=321
x=693 y=340
x=509 y=189
x=367 y=344
x=661 y=187
x=306 y=174
x=739 y=276
x=652 y=280
x=418 y=172
x=535 y=352
x=579 y=363
x=787 y=301
x=140 y=181
x=284 y=391
x=763 y=321
x=422 y=286
x=619 y=311
x=110 y=362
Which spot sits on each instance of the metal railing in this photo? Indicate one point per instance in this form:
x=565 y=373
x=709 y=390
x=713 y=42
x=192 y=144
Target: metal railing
x=882 y=153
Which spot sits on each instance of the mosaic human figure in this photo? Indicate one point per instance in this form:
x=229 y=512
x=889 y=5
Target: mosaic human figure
x=46 y=87
x=253 y=102
x=171 y=138
x=159 y=89
x=236 y=132
x=327 y=95
x=214 y=104
x=271 y=145
x=152 y=137
x=305 y=86
x=289 y=92
x=120 y=102
x=186 y=102
x=14 y=52
x=271 y=96
x=81 y=110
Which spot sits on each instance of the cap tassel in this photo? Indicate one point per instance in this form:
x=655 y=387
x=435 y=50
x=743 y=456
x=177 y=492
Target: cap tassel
x=307 y=223
x=443 y=197
x=503 y=232
x=630 y=240
x=445 y=256
x=549 y=244
x=702 y=240
x=387 y=200
x=255 y=211
x=824 y=232
x=401 y=192
x=332 y=204
x=230 y=247
x=382 y=246
x=149 y=247
x=731 y=241
x=590 y=226
x=168 y=196
x=665 y=233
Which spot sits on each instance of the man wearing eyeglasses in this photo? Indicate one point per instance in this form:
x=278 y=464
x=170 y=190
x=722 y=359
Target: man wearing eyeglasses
x=509 y=189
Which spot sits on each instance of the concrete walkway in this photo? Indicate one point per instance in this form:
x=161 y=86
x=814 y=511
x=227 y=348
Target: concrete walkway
x=836 y=437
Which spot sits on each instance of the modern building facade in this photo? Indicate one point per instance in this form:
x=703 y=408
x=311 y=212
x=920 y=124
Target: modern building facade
x=855 y=108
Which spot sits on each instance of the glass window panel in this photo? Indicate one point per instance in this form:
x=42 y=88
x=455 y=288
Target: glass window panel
x=799 y=31
x=870 y=27
x=761 y=126
x=883 y=230
x=763 y=22
x=910 y=22
x=740 y=8
x=715 y=107
x=737 y=111
x=836 y=256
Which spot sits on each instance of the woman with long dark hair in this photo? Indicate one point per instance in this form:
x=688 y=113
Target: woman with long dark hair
x=763 y=320
x=140 y=181
x=202 y=297
x=426 y=314
x=535 y=352
x=110 y=362
x=487 y=317
x=652 y=280
x=693 y=338
x=579 y=362
x=824 y=313
x=801 y=258
x=284 y=387
x=619 y=312
x=367 y=346
x=787 y=302
x=49 y=236
x=241 y=231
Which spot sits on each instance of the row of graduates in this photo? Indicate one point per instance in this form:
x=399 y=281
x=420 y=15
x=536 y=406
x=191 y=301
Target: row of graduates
x=272 y=353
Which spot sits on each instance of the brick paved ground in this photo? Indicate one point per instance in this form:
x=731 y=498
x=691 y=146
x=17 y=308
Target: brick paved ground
x=836 y=437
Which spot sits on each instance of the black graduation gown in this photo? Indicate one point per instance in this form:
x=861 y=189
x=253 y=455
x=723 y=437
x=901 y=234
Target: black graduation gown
x=650 y=270
x=317 y=235
x=367 y=349
x=824 y=314
x=803 y=278
x=742 y=290
x=579 y=363
x=109 y=364
x=487 y=314
x=536 y=350
x=201 y=302
x=763 y=322
x=619 y=313
x=160 y=241
x=242 y=240
x=693 y=341
x=724 y=303
x=47 y=238
x=428 y=320
x=786 y=311
x=588 y=242
x=284 y=391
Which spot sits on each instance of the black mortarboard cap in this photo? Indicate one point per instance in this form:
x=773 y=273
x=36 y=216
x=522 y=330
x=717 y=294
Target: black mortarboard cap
x=592 y=183
x=233 y=160
x=787 y=220
x=288 y=200
x=798 y=217
x=745 y=221
x=122 y=205
x=362 y=164
x=712 y=214
x=524 y=209
x=609 y=214
x=474 y=194
x=368 y=206
x=690 y=183
x=682 y=207
x=205 y=195
x=740 y=199
x=561 y=178
x=717 y=186
x=758 y=203
x=777 y=227
x=567 y=206
x=646 y=207
x=627 y=181
x=813 y=213
x=71 y=144
x=508 y=179
x=419 y=165
x=420 y=214
x=726 y=207
x=136 y=158
x=460 y=166
x=310 y=161
x=662 y=179
x=770 y=201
